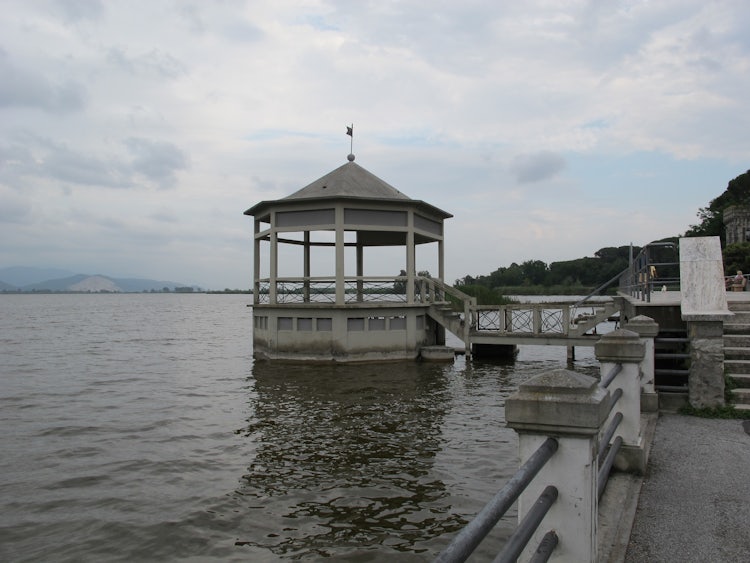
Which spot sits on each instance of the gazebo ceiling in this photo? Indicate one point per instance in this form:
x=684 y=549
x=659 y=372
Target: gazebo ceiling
x=365 y=238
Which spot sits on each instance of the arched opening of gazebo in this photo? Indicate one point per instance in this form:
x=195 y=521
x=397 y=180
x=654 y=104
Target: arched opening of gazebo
x=319 y=289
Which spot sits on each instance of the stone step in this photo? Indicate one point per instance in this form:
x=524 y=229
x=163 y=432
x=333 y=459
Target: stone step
x=742 y=407
x=741 y=380
x=736 y=353
x=741 y=396
x=740 y=317
x=737 y=340
x=736 y=328
x=737 y=366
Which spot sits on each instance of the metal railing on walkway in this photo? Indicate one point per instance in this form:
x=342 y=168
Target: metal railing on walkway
x=572 y=410
x=657 y=266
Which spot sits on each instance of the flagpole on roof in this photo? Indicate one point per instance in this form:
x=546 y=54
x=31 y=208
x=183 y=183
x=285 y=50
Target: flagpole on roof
x=350 y=132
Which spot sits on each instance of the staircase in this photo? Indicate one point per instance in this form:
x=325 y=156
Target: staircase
x=585 y=322
x=449 y=318
x=737 y=352
x=672 y=365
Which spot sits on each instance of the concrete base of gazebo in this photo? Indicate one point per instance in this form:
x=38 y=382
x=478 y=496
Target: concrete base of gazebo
x=437 y=354
x=331 y=333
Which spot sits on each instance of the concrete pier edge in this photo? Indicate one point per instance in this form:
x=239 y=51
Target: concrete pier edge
x=619 y=503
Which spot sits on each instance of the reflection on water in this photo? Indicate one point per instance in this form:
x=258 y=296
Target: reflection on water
x=371 y=461
x=137 y=427
x=347 y=453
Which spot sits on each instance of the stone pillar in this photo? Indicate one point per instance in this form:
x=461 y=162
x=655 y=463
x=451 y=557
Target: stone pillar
x=706 y=377
x=625 y=348
x=571 y=407
x=647 y=329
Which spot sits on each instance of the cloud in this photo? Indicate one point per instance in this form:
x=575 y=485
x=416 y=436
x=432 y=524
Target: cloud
x=31 y=156
x=79 y=10
x=24 y=88
x=153 y=62
x=14 y=208
x=158 y=161
x=531 y=168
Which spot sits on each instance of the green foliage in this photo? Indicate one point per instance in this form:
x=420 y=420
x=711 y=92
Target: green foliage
x=729 y=386
x=737 y=257
x=727 y=411
x=608 y=262
x=712 y=217
x=485 y=295
x=562 y=289
x=582 y=272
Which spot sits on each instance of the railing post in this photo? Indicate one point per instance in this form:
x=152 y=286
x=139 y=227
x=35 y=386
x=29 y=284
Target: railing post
x=571 y=407
x=647 y=328
x=624 y=347
x=467 y=328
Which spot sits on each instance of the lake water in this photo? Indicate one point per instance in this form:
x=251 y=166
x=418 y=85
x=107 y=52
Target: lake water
x=138 y=427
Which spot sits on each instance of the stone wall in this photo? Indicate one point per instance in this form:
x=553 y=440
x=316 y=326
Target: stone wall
x=737 y=223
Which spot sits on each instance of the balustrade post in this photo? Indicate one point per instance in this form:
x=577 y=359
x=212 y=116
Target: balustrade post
x=647 y=328
x=624 y=347
x=570 y=407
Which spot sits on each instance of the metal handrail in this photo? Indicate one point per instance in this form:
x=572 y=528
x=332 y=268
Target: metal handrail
x=610 y=377
x=638 y=278
x=604 y=470
x=607 y=436
x=464 y=544
x=517 y=542
x=599 y=289
x=546 y=547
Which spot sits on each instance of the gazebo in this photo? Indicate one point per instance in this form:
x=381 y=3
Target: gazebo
x=328 y=309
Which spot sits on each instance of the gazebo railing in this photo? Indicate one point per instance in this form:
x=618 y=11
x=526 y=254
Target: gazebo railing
x=357 y=289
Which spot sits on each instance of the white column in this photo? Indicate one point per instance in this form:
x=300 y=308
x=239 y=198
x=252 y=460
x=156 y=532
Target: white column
x=411 y=259
x=256 y=261
x=647 y=329
x=441 y=260
x=274 y=265
x=340 y=270
x=571 y=407
x=624 y=347
x=360 y=270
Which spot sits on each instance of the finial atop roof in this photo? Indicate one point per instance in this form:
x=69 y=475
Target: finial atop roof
x=350 y=132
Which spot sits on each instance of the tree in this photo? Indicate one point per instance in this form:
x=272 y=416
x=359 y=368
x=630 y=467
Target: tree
x=712 y=217
x=737 y=257
x=534 y=272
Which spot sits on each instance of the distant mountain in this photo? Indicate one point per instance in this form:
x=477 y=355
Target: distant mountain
x=62 y=284
x=137 y=284
x=79 y=282
x=19 y=276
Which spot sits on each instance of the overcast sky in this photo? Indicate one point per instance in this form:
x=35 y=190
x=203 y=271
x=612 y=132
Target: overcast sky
x=133 y=134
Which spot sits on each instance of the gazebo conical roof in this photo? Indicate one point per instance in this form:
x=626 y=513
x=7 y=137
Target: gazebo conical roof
x=349 y=181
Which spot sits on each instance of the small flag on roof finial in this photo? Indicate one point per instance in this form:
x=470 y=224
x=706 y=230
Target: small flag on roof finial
x=350 y=132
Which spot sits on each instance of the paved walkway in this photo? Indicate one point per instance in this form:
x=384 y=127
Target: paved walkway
x=694 y=504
